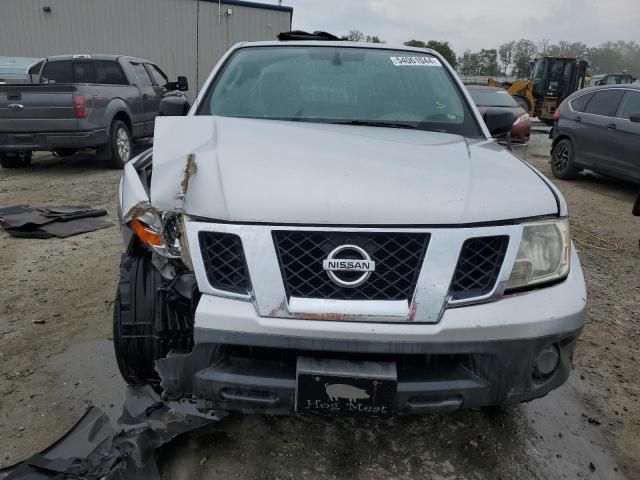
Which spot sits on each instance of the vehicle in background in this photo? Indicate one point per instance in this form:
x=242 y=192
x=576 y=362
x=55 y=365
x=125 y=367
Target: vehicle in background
x=551 y=80
x=102 y=102
x=495 y=98
x=611 y=79
x=332 y=229
x=598 y=129
x=19 y=69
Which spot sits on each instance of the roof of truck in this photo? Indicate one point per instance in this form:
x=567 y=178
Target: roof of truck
x=92 y=56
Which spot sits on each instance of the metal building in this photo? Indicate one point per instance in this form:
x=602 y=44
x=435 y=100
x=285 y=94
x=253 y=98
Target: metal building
x=167 y=32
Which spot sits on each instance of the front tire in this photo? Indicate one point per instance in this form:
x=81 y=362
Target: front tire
x=120 y=144
x=148 y=321
x=15 y=159
x=562 y=161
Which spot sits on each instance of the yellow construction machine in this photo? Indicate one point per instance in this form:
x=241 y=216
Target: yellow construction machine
x=550 y=81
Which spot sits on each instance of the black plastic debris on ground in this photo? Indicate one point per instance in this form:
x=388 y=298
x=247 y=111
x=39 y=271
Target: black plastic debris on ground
x=46 y=222
x=93 y=449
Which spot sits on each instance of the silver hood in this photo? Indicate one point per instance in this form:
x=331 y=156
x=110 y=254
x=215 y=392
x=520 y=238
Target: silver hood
x=245 y=170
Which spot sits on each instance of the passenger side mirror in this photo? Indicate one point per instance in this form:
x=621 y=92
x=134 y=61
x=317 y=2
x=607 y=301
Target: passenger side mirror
x=499 y=122
x=636 y=206
x=635 y=117
x=177 y=106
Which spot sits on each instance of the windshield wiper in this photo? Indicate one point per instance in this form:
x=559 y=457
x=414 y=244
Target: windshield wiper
x=374 y=123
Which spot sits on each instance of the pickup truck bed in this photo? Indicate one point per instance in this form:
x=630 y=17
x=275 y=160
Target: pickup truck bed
x=83 y=101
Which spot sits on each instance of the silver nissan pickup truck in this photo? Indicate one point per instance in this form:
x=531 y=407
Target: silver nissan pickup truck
x=332 y=229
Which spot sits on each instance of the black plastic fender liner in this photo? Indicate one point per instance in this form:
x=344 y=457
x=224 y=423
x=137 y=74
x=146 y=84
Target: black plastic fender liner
x=150 y=319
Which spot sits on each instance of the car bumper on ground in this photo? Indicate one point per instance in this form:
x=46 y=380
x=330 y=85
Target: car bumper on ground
x=51 y=140
x=477 y=355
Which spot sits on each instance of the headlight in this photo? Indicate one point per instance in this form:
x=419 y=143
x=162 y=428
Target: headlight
x=164 y=234
x=543 y=255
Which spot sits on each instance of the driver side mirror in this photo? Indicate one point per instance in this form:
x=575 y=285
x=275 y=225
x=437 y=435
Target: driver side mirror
x=499 y=122
x=182 y=85
x=635 y=117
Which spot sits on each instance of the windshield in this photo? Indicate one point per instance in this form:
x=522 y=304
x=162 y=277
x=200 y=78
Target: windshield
x=492 y=98
x=340 y=85
x=538 y=69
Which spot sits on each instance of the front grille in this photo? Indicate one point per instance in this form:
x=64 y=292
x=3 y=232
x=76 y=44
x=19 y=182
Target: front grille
x=224 y=261
x=398 y=258
x=478 y=266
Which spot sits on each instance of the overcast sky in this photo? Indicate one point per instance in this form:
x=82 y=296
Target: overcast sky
x=474 y=24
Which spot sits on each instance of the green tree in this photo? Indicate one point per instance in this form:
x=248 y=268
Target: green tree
x=488 y=62
x=373 y=39
x=443 y=48
x=416 y=44
x=505 y=54
x=524 y=52
x=358 y=36
x=354 y=36
x=469 y=63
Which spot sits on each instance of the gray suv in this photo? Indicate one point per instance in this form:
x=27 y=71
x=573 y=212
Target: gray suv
x=598 y=129
x=332 y=229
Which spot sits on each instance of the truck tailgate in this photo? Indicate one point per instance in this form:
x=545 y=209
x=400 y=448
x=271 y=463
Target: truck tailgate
x=37 y=108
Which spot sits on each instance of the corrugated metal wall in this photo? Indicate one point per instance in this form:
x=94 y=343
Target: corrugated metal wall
x=163 y=31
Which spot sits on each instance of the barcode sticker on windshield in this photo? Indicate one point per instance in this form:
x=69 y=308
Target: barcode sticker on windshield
x=416 y=61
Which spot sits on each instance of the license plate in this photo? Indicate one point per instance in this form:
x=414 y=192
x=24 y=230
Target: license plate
x=345 y=388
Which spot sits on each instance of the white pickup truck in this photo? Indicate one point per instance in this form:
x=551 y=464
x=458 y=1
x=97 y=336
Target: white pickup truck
x=332 y=229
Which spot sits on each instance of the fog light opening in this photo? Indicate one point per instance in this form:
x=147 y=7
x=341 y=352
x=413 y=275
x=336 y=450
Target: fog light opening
x=547 y=361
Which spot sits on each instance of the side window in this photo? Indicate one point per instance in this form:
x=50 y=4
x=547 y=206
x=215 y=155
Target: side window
x=630 y=104
x=611 y=80
x=109 y=72
x=141 y=73
x=605 y=102
x=157 y=75
x=57 y=72
x=579 y=104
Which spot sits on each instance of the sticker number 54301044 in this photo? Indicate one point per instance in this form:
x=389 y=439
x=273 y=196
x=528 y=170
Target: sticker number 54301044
x=416 y=61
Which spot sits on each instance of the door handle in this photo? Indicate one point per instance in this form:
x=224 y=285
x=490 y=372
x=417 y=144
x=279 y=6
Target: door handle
x=612 y=126
x=145 y=95
x=578 y=118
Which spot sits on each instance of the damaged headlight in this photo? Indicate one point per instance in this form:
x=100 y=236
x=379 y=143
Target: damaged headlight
x=164 y=234
x=543 y=255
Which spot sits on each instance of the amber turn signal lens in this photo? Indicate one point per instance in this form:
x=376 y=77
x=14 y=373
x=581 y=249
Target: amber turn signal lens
x=144 y=233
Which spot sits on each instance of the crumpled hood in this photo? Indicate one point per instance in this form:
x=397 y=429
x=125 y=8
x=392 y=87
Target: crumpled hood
x=245 y=170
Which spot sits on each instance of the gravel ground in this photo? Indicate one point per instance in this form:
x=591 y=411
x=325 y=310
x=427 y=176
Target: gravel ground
x=56 y=357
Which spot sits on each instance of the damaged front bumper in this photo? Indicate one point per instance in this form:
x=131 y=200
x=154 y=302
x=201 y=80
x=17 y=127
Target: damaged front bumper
x=442 y=377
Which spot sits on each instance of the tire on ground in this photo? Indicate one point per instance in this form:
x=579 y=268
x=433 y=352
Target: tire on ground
x=562 y=161
x=15 y=159
x=120 y=144
x=147 y=324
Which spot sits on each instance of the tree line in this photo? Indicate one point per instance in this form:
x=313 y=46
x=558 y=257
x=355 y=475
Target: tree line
x=512 y=58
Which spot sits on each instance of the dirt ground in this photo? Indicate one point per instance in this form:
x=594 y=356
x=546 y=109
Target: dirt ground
x=56 y=357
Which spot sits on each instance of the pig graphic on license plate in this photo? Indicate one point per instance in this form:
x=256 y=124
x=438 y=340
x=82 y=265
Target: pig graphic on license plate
x=345 y=396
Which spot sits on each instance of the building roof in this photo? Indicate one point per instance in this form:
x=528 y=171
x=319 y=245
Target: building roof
x=265 y=6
